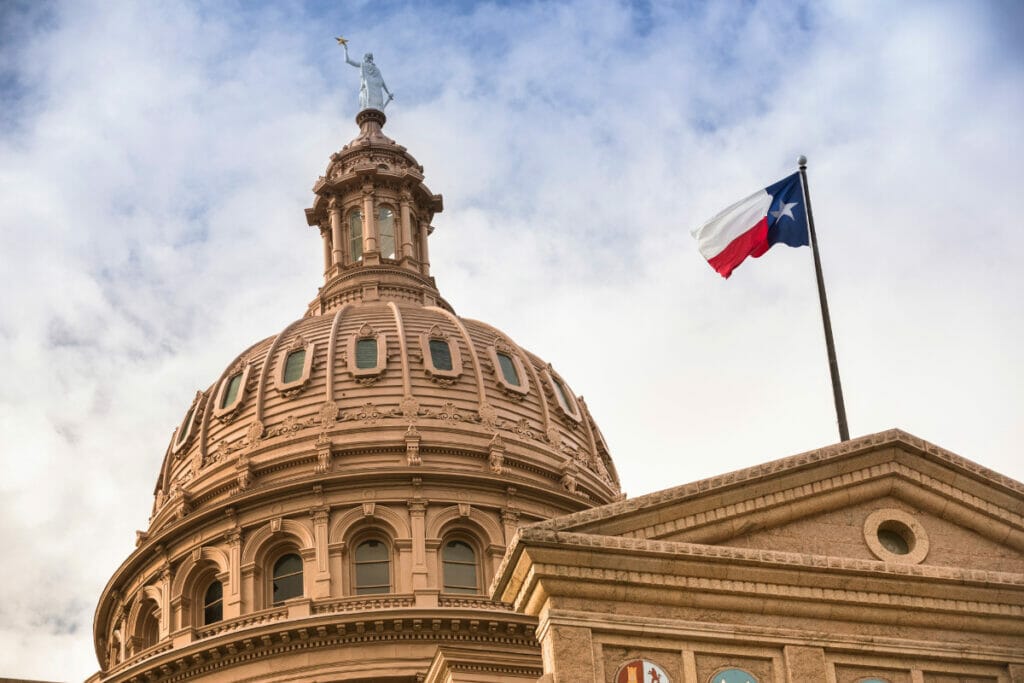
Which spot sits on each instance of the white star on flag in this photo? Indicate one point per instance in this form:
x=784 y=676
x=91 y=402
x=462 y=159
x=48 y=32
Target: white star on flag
x=786 y=210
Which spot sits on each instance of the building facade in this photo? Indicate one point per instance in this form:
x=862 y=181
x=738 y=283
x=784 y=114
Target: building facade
x=385 y=491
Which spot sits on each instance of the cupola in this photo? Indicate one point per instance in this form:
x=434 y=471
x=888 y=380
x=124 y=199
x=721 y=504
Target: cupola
x=374 y=212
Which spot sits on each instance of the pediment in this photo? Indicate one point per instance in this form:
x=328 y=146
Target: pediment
x=854 y=500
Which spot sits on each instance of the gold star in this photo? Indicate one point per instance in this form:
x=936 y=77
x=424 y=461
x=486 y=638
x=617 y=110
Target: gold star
x=341 y=41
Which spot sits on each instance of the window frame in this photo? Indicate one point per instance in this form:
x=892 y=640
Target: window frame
x=221 y=412
x=274 y=559
x=299 y=344
x=183 y=434
x=354 y=563
x=524 y=377
x=555 y=381
x=394 y=232
x=367 y=332
x=204 y=606
x=351 y=239
x=473 y=543
x=437 y=334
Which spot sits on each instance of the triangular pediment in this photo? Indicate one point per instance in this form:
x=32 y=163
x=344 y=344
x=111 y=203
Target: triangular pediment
x=889 y=496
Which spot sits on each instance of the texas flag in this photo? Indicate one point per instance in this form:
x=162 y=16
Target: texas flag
x=751 y=226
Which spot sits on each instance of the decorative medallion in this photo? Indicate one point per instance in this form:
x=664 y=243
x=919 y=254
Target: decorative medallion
x=642 y=671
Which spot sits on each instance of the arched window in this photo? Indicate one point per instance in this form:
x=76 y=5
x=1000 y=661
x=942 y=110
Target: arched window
x=287 y=578
x=213 y=603
x=458 y=560
x=294 y=365
x=733 y=676
x=148 y=628
x=355 y=235
x=231 y=390
x=373 y=568
x=386 y=231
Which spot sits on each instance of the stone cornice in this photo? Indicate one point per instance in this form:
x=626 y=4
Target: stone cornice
x=745 y=477
x=170 y=665
x=704 y=631
x=520 y=576
x=534 y=535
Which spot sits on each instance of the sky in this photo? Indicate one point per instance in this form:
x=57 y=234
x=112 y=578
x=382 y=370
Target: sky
x=156 y=158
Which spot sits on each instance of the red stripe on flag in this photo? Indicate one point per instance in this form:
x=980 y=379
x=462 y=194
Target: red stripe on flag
x=753 y=242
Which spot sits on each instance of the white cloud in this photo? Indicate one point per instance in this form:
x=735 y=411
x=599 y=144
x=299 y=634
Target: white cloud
x=158 y=158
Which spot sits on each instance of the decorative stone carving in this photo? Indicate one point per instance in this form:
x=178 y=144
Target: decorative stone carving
x=323 y=453
x=412 y=446
x=328 y=415
x=496 y=457
x=568 y=480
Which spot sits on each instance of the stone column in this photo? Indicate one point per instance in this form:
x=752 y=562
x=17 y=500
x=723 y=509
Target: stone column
x=568 y=653
x=322 y=579
x=405 y=227
x=424 y=253
x=369 y=221
x=325 y=235
x=233 y=599
x=337 y=232
x=417 y=515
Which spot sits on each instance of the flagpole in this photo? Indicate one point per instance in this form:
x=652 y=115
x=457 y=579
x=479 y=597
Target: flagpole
x=833 y=364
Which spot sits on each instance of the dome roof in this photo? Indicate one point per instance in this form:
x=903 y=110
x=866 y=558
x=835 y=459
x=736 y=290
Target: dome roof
x=252 y=426
x=302 y=402
x=380 y=425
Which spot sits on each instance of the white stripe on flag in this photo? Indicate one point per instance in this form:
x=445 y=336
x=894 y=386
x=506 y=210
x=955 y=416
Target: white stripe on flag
x=715 y=235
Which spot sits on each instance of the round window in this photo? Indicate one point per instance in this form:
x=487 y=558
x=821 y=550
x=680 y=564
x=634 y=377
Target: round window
x=895 y=536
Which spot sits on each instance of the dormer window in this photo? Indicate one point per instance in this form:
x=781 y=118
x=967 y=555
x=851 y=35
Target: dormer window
x=187 y=426
x=566 y=401
x=231 y=393
x=355 y=235
x=386 y=231
x=295 y=366
x=441 y=356
x=508 y=369
x=367 y=354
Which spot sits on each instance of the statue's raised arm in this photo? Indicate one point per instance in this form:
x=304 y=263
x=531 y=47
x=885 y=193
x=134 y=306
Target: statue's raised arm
x=371 y=86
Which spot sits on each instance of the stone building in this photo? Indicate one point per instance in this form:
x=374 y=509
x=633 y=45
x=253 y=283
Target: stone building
x=385 y=491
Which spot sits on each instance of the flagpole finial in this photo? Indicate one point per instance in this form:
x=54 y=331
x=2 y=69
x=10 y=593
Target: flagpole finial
x=802 y=161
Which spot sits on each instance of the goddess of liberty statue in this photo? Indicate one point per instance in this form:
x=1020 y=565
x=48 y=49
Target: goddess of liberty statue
x=371 y=86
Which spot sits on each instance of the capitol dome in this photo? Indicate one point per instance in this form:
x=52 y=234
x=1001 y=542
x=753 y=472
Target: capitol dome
x=335 y=504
